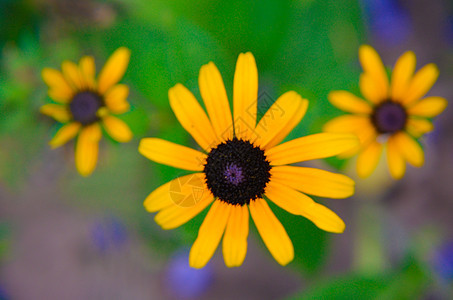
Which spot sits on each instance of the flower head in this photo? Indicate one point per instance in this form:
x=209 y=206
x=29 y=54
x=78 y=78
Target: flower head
x=241 y=166
x=84 y=103
x=393 y=114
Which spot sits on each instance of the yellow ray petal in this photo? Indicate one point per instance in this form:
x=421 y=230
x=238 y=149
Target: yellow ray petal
x=61 y=90
x=411 y=151
x=395 y=160
x=87 y=147
x=402 y=74
x=280 y=119
x=347 y=124
x=372 y=65
x=117 y=129
x=88 y=71
x=114 y=69
x=235 y=239
x=175 y=215
x=349 y=102
x=58 y=112
x=370 y=90
x=418 y=127
x=115 y=99
x=215 y=99
x=272 y=232
x=184 y=191
x=368 y=159
x=360 y=126
x=314 y=181
x=300 y=204
x=428 y=107
x=171 y=154
x=245 y=94
x=310 y=147
x=421 y=83
x=192 y=117
x=66 y=133
x=73 y=76
x=209 y=235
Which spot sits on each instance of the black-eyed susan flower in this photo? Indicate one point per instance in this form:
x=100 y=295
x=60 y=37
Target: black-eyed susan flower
x=393 y=116
x=84 y=103
x=241 y=166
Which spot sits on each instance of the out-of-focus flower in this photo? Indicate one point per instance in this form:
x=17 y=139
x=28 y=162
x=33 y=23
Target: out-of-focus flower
x=3 y=294
x=394 y=114
x=85 y=103
x=108 y=233
x=185 y=282
x=443 y=261
x=241 y=163
x=387 y=20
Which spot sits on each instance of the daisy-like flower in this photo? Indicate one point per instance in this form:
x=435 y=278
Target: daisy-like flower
x=240 y=164
x=84 y=103
x=393 y=116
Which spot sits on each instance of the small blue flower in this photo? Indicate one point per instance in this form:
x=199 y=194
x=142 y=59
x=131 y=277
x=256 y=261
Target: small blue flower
x=185 y=282
x=387 y=20
x=108 y=233
x=443 y=261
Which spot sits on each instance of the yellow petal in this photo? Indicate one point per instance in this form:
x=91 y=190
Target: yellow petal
x=370 y=90
x=421 y=83
x=428 y=107
x=372 y=66
x=402 y=74
x=368 y=159
x=314 y=181
x=66 y=133
x=360 y=126
x=117 y=129
x=280 y=119
x=411 y=151
x=59 y=89
x=88 y=71
x=418 y=127
x=114 y=69
x=209 y=235
x=395 y=159
x=73 y=76
x=300 y=204
x=87 y=147
x=115 y=99
x=310 y=147
x=235 y=239
x=58 y=112
x=176 y=215
x=348 y=102
x=215 y=99
x=245 y=95
x=192 y=117
x=184 y=191
x=272 y=232
x=171 y=154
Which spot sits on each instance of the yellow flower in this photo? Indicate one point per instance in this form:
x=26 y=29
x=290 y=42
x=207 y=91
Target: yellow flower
x=394 y=116
x=240 y=162
x=84 y=103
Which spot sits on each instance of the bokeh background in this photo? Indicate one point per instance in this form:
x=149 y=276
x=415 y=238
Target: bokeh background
x=63 y=236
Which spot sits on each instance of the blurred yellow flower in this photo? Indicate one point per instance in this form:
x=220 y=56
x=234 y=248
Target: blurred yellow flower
x=394 y=116
x=241 y=162
x=84 y=104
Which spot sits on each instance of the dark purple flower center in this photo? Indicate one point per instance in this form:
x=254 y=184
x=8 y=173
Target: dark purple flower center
x=389 y=117
x=233 y=174
x=84 y=107
x=237 y=172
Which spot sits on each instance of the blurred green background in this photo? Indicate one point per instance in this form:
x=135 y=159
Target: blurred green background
x=65 y=236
